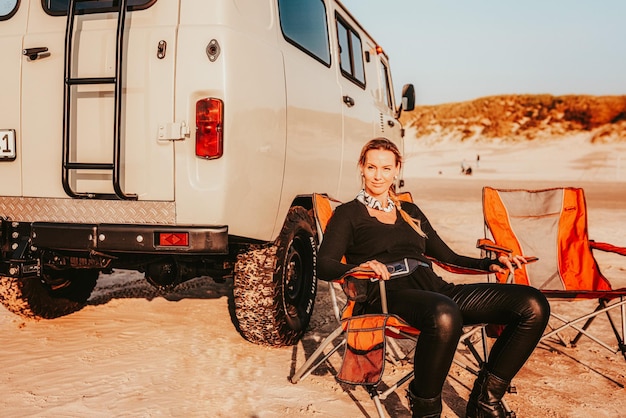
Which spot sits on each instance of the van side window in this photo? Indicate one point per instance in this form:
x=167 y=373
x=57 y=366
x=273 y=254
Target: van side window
x=350 y=52
x=59 y=7
x=385 y=83
x=8 y=8
x=304 y=25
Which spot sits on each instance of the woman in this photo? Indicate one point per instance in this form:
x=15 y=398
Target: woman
x=374 y=229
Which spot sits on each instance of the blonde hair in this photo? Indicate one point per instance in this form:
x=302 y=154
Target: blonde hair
x=385 y=144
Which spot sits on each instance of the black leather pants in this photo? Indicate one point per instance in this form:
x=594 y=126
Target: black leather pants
x=440 y=317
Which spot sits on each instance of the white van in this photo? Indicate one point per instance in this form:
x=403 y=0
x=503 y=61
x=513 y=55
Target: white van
x=180 y=138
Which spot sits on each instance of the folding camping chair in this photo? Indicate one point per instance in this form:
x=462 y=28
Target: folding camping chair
x=366 y=336
x=552 y=224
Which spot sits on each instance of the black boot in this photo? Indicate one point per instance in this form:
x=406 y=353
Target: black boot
x=421 y=407
x=472 y=403
x=485 y=399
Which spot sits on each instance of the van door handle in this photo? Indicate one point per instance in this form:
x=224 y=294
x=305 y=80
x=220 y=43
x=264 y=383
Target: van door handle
x=34 y=53
x=349 y=101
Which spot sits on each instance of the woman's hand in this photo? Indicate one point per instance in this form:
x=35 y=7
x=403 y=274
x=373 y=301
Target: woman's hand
x=511 y=262
x=379 y=268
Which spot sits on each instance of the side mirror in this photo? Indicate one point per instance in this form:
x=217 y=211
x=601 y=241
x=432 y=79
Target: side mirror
x=408 y=97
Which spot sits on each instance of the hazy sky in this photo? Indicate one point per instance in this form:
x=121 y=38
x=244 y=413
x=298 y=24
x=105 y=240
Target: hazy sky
x=456 y=50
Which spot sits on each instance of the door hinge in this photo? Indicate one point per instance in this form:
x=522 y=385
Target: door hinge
x=175 y=131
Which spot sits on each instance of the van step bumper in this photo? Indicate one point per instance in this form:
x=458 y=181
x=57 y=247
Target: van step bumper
x=134 y=238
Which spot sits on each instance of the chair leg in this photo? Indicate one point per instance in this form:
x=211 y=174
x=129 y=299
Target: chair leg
x=311 y=364
x=572 y=324
x=601 y=305
x=623 y=312
x=379 y=395
x=619 y=337
x=601 y=308
x=379 y=407
x=479 y=359
x=395 y=354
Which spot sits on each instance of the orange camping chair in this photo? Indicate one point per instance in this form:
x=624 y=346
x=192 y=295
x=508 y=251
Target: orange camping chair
x=552 y=224
x=365 y=337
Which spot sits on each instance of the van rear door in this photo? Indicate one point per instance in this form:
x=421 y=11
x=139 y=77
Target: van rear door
x=146 y=162
x=12 y=28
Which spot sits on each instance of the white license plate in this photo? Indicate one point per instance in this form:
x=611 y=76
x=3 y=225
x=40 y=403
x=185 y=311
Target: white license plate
x=7 y=144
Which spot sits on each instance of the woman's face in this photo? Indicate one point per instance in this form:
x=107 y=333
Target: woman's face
x=379 y=172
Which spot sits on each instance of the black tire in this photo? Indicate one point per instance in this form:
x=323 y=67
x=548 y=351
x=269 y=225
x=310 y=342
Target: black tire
x=61 y=293
x=274 y=287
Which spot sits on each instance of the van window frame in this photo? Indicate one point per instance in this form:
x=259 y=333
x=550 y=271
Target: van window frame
x=12 y=12
x=302 y=47
x=386 y=84
x=343 y=26
x=144 y=5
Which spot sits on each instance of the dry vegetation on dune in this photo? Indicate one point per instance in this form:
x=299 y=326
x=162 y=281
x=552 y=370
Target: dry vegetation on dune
x=523 y=117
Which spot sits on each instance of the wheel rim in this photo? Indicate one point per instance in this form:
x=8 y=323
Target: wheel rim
x=298 y=277
x=292 y=274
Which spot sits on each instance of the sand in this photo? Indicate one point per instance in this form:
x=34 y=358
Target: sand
x=133 y=352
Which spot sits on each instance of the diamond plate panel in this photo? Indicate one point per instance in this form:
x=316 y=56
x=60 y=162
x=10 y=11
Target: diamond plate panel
x=30 y=209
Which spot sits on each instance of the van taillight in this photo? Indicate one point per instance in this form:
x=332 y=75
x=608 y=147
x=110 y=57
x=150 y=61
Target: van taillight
x=209 y=128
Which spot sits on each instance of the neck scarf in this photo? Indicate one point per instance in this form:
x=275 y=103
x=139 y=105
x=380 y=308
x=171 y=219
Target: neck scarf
x=374 y=203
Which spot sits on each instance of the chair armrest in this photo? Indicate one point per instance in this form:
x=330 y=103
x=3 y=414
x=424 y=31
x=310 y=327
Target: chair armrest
x=488 y=245
x=457 y=269
x=358 y=273
x=354 y=285
x=603 y=246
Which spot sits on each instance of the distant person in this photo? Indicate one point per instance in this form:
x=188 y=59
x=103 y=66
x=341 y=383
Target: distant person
x=477 y=160
x=375 y=229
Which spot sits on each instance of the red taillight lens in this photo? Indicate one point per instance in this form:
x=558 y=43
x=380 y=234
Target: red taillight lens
x=173 y=239
x=209 y=128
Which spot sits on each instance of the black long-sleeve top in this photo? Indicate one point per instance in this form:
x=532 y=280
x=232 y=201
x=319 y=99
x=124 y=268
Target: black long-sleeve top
x=352 y=232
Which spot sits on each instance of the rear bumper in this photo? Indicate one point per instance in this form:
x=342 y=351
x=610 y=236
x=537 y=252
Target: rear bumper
x=102 y=225
x=122 y=238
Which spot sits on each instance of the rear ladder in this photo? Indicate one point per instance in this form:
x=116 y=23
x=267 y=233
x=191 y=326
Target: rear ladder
x=116 y=80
